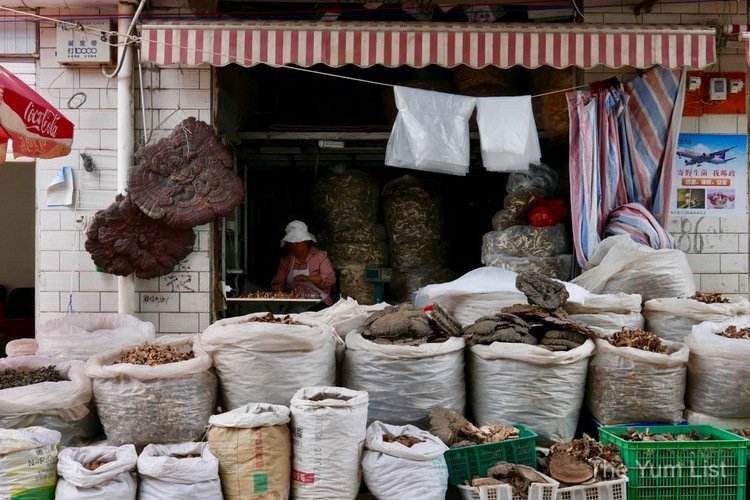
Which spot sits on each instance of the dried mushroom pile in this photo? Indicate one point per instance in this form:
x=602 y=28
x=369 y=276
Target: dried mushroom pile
x=745 y=433
x=404 y=440
x=732 y=332
x=639 y=339
x=647 y=435
x=517 y=477
x=10 y=378
x=270 y=318
x=268 y=295
x=582 y=461
x=406 y=324
x=153 y=355
x=95 y=464
x=709 y=298
x=456 y=431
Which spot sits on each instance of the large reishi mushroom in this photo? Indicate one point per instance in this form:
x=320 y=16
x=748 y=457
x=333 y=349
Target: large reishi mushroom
x=187 y=178
x=122 y=240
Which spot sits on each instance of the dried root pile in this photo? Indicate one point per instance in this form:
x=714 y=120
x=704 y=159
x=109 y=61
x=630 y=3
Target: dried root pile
x=583 y=460
x=647 y=435
x=404 y=440
x=709 y=298
x=153 y=355
x=10 y=378
x=639 y=339
x=456 y=431
x=732 y=332
x=270 y=318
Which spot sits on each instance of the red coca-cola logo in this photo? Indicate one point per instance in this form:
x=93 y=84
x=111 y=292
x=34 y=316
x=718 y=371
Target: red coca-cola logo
x=43 y=121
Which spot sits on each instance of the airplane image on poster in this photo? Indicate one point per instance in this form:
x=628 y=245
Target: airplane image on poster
x=715 y=157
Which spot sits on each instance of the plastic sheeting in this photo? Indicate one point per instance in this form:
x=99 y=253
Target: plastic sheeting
x=674 y=318
x=606 y=312
x=507 y=133
x=163 y=475
x=114 y=479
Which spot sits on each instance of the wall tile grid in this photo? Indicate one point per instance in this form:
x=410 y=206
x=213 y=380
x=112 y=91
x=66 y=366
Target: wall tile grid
x=177 y=303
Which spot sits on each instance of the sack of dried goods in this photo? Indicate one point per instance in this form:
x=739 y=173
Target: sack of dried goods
x=254 y=449
x=178 y=470
x=267 y=358
x=28 y=463
x=635 y=376
x=158 y=392
x=47 y=392
x=718 y=355
x=526 y=241
x=606 y=312
x=674 y=318
x=81 y=335
x=402 y=463
x=404 y=284
x=557 y=266
x=345 y=199
x=21 y=347
x=329 y=425
x=411 y=211
x=97 y=472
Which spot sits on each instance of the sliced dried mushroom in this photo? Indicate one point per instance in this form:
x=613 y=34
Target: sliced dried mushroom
x=710 y=298
x=404 y=440
x=732 y=332
x=569 y=470
x=541 y=290
x=639 y=339
x=445 y=321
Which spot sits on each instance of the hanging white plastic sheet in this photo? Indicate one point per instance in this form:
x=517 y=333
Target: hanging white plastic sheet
x=507 y=133
x=431 y=131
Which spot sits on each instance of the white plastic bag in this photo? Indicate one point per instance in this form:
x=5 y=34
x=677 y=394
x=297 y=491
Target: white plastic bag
x=629 y=385
x=344 y=316
x=21 y=347
x=164 y=475
x=718 y=371
x=28 y=463
x=608 y=312
x=329 y=425
x=674 y=318
x=507 y=133
x=393 y=471
x=143 y=404
x=431 y=131
x=404 y=383
x=695 y=418
x=269 y=362
x=81 y=335
x=114 y=479
x=520 y=383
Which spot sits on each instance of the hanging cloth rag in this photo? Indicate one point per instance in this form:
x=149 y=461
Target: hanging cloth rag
x=634 y=220
x=431 y=131
x=507 y=133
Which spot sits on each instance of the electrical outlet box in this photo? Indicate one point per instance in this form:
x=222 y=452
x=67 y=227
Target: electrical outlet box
x=694 y=83
x=735 y=86
x=720 y=93
x=717 y=90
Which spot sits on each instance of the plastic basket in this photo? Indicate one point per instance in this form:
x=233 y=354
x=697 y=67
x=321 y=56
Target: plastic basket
x=682 y=470
x=615 y=489
x=473 y=461
x=537 y=491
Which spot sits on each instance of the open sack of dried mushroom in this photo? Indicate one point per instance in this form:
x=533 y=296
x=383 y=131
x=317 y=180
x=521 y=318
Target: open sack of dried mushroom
x=674 y=318
x=520 y=482
x=456 y=431
x=635 y=376
x=409 y=362
x=583 y=461
x=97 y=472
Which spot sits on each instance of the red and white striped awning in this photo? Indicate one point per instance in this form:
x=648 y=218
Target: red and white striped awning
x=336 y=43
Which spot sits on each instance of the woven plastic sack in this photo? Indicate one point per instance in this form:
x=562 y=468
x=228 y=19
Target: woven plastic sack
x=114 y=479
x=254 y=449
x=673 y=319
x=393 y=471
x=404 y=284
x=328 y=428
x=696 y=418
x=714 y=361
x=269 y=362
x=372 y=253
x=28 y=463
x=405 y=383
x=407 y=255
x=345 y=199
x=524 y=383
x=411 y=211
x=21 y=347
x=607 y=312
x=81 y=335
x=142 y=404
x=558 y=266
x=163 y=474
x=540 y=177
x=525 y=241
x=354 y=286
x=627 y=385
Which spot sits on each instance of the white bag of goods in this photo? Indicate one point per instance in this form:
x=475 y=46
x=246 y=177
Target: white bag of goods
x=608 y=312
x=620 y=265
x=81 y=335
x=394 y=471
x=28 y=463
x=521 y=383
x=184 y=471
x=63 y=406
x=404 y=383
x=21 y=347
x=114 y=478
x=269 y=362
x=343 y=316
x=718 y=380
x=329 y=425
x=254 y=449
x=165 y=403
x=696 y=418
x=674 y=318
x=628 y=385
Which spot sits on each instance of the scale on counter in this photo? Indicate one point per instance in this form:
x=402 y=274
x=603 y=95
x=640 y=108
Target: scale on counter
x=378 y=276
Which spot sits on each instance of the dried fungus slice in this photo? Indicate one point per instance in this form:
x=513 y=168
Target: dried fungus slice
x=568 y=469
x=541 y=290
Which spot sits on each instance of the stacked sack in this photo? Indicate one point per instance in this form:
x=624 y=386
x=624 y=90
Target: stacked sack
x=346 y=204
x=414 y=220
x=606 y=313
x=28 y=461
x=529 y=234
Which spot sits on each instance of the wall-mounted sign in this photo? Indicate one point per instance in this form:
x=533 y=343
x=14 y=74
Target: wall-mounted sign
x=89 y=46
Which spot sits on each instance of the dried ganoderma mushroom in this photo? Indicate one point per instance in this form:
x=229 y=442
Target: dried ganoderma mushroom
x=541 y=290
x=187 y=178
x=122 y=240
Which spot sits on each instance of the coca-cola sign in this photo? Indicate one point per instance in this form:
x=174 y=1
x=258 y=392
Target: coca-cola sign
x=41 y=121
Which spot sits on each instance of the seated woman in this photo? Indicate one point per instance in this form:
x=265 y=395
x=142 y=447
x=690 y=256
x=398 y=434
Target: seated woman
x=306 y=270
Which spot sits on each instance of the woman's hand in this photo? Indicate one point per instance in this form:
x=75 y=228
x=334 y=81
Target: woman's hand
x=315 y=279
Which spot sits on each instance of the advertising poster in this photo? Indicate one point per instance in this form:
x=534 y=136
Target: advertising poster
x=710 y=175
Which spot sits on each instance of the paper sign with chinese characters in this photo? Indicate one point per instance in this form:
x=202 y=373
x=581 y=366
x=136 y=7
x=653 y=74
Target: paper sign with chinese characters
x=710 y=175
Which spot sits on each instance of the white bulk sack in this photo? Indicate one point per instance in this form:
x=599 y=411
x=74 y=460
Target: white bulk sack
x=21 y=347
x=718 y=371
x=695 y=418
x=393 y=471
x=143 y=404
x=520 y=383
x=404 y=383
x=254 y=448
x=608 y=312
x=629 y=385
x=28 y=463
x=674 y=318
x=620 y=265
x=113 y=480
x=269 y=362
x=164 y=475
x=431 y=131
x=62 y=406
x=343 y=316
x=329 y=425
x=81 y=335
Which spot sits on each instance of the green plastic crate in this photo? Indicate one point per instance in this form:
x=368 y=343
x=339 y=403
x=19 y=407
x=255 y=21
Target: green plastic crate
x=682 y=470
x=473 y=461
